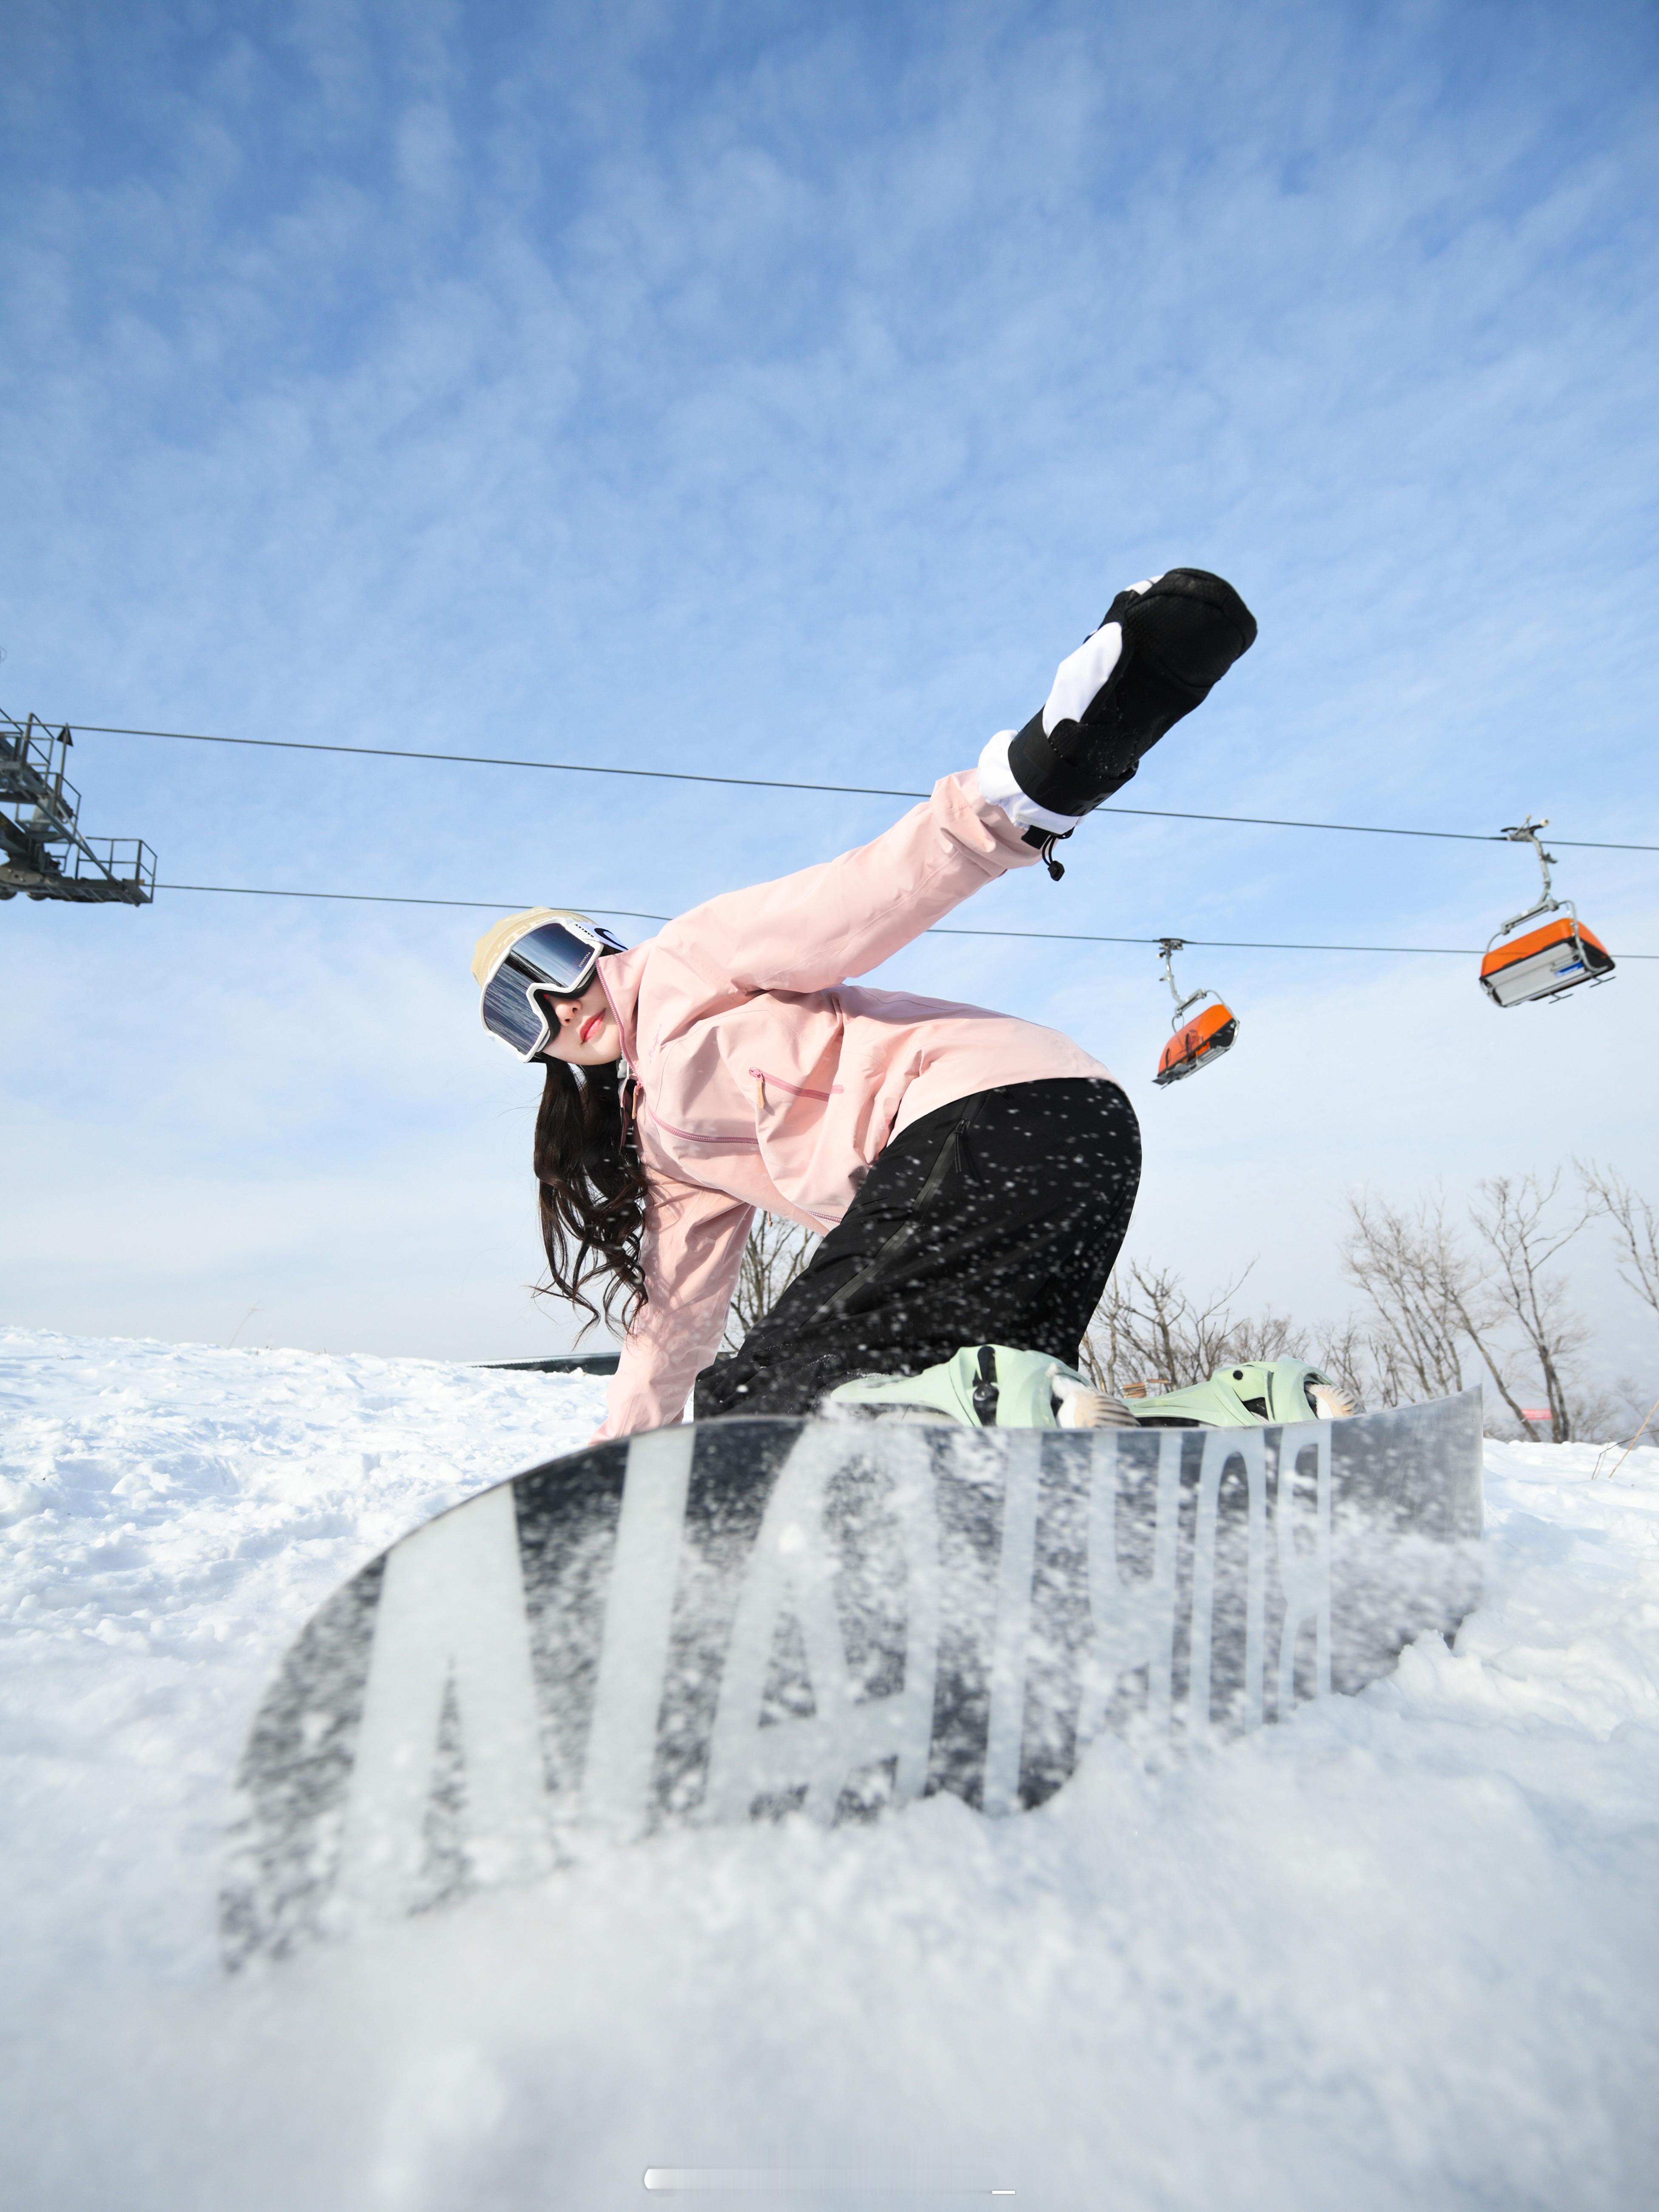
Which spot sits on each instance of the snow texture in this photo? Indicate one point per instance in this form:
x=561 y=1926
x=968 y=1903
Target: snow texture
x=1402 y=1952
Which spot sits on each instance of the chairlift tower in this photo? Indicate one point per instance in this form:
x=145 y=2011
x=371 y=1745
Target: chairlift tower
x=43 y=852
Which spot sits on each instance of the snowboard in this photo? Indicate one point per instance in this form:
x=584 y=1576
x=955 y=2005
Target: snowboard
x=741 y=1619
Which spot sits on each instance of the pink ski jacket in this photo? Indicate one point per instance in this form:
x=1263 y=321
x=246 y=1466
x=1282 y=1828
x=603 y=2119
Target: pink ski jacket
x=766 y=1080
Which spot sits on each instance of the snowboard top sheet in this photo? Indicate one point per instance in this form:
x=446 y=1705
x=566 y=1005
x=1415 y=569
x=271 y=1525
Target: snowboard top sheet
x=746 y=1619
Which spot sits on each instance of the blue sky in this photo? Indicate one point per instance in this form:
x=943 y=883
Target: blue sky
x=777 y=390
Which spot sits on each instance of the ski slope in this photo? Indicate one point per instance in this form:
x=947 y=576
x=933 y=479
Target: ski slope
x=1402 y=1952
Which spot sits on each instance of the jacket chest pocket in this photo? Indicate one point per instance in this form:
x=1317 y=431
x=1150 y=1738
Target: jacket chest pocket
x=695 y=1096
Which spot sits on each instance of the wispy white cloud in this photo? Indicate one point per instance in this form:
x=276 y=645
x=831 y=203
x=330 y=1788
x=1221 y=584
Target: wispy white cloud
x=767 y=389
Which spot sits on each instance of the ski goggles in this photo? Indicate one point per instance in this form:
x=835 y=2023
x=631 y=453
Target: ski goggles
x=555 y=957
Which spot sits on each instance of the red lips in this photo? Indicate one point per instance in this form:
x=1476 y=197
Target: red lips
x=592 y=1023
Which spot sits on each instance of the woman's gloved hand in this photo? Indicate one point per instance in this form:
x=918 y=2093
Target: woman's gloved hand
x=1161 y=647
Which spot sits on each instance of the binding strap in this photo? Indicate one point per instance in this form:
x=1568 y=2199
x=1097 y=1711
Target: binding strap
x=986 y=1389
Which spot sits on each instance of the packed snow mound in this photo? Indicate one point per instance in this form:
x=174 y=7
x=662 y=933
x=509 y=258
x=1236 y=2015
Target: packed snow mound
x=1404 y=1950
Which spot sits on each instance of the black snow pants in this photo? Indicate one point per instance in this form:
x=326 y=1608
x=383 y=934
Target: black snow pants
x=995 y=1219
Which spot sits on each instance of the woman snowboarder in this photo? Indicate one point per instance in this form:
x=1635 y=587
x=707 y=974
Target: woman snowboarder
x=972 y=1174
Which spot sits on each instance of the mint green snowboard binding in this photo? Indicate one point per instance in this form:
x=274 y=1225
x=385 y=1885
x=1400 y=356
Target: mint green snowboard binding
x=996 y=1386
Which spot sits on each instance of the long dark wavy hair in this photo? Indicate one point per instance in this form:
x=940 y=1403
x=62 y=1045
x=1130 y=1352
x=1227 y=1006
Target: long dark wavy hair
x=591 y=1192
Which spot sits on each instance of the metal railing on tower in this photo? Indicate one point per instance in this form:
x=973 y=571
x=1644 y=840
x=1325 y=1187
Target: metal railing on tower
x=43 y=852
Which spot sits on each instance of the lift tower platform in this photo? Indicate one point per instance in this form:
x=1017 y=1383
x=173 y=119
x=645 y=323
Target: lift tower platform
x=43 y=852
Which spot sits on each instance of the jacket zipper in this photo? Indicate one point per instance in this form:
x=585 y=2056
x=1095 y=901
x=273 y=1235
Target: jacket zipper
x=795 y=1089
x=952 y=1154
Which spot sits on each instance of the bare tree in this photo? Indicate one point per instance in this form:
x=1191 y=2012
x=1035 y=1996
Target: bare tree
x=1422 y=1287
x=1342 y=1351
x=1513 y=1224
x=1433 y=1301
x=1265 y=1335
x=1149 y=1328
x=1635 y=1225
x=1442 y=1305
x=775 y=1255
x=1607 y=1414
x=1105 y=1356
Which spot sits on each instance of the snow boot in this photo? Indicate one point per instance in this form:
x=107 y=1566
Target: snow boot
x=987 y=1386
x=1255 y=1392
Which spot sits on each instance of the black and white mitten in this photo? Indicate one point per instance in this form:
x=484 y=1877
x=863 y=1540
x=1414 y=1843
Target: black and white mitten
x=1161 y=647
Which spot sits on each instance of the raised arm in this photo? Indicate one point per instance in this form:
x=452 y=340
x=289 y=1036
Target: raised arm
x=810 y=931
x=694 y=1241
x=1162 y=646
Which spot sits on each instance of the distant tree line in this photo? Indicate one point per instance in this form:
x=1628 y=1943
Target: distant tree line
x=1445 y=1304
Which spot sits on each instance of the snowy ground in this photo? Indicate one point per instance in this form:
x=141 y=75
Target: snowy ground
x=1404 y=1952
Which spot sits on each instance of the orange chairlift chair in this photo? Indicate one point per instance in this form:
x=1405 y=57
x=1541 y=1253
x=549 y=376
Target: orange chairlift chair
x=1196 y=1042
x=1548 y=962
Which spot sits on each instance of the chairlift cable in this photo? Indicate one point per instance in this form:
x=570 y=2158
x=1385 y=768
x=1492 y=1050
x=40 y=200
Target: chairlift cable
x=846 y=790
x=1046 y=936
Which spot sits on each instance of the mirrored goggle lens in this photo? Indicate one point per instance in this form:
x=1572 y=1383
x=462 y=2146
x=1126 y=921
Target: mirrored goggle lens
x=509 y=1012
x=555 y=956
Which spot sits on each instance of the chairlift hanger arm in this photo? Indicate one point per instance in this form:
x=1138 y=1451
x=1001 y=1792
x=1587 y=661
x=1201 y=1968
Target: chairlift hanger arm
x=1525 y=832
x=1168 y=947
